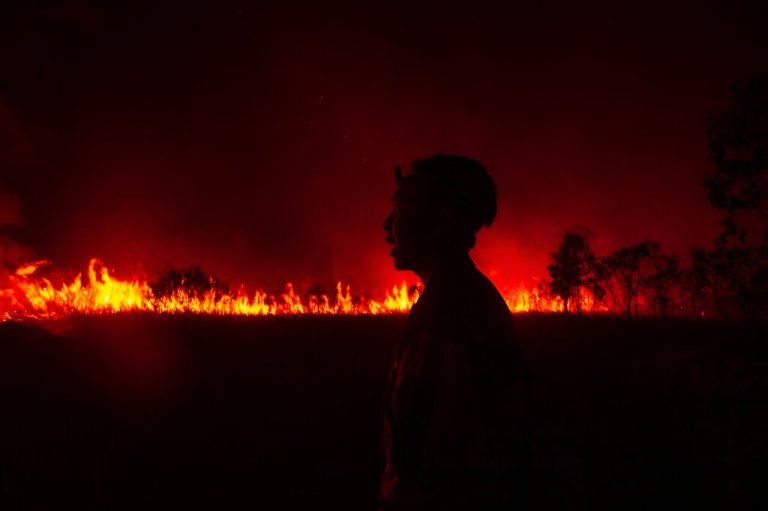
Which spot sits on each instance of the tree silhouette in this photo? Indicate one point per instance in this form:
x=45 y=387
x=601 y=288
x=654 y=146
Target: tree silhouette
x=663 y=280
x=694 y=280
x=190 y=280
x=627 y=271
x=738 y=186
x=572 y=269
x=738 y=146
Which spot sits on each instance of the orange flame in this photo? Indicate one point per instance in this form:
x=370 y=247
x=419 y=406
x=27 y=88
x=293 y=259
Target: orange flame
x=37 y=298
x=26 y=296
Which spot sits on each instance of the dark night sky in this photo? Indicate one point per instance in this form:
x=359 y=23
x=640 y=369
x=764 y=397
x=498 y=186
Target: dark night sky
x=257 y=139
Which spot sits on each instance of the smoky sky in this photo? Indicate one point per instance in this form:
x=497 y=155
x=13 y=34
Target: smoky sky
x=258 y=139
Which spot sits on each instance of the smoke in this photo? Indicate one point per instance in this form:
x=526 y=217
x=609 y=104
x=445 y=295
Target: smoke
x=10 y=209
x=12 y=252
x=258 y=143
x=13 y=147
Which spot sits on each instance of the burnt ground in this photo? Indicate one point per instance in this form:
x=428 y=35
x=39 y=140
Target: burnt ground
x=144 y=412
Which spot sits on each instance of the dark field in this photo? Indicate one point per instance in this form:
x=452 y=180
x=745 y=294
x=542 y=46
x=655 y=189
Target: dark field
x=140 y=412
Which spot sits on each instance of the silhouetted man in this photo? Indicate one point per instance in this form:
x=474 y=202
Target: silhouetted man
x=456 y=418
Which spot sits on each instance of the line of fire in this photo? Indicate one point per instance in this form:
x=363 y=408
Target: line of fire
x=633 y=281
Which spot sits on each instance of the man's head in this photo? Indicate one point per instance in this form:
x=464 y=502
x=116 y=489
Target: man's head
x=438 y=208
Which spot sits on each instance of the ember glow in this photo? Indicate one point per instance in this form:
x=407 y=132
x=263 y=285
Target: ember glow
x=28 y=296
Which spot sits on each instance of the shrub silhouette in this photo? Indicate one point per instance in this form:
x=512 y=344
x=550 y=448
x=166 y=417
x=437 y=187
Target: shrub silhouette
x=191 y=280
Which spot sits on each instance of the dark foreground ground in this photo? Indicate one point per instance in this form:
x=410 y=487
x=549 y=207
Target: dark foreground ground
x=140 y=412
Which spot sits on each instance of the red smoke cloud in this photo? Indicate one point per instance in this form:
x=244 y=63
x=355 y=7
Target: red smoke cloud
x=258 y=142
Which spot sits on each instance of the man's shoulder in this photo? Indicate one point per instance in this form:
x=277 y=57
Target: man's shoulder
x=469 y=293
x=466 y=308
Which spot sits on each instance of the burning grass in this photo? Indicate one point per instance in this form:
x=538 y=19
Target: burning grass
x=26 y=295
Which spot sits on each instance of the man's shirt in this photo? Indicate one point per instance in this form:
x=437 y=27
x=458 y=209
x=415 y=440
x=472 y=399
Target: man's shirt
x=456 y=421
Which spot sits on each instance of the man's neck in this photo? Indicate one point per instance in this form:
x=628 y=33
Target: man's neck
x=446 y=262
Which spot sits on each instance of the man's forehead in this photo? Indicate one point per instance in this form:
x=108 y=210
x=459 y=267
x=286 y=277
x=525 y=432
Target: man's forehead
x=408 y=190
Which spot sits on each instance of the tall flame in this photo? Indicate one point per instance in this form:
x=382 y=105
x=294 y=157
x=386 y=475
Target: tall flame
x=27 y=296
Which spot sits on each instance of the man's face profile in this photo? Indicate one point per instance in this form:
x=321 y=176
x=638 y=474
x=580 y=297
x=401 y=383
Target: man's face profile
x=410 y=228
x=437 y=210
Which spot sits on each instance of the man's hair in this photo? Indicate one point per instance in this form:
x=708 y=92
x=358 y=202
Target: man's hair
x=461 y=184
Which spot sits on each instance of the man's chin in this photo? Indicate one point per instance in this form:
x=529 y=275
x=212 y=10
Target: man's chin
x=401 y=264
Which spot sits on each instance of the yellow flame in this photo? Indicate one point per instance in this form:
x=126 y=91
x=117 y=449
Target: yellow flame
x=28 y=296
x=31 y=297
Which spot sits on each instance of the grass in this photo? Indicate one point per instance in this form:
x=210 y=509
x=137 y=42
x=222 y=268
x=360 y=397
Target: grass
x=141 y=411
